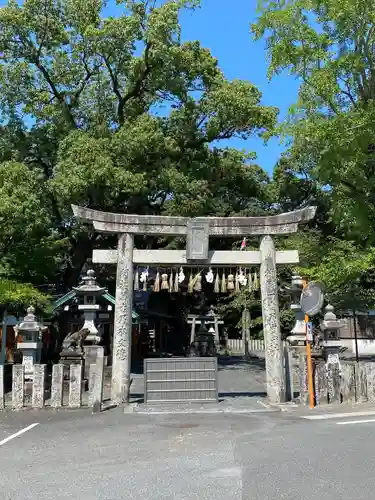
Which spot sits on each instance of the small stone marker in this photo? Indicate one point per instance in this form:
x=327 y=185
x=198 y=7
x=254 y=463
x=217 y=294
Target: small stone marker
x=2 y=399
x=18 y=383
x=333 y=383
x=37 y=396
x=57 y=385
x=75 y=386
x=370 y=376
x=320 y=382
x=361 y=382
x=348 y=388
x=96 y=382
x=302 y=372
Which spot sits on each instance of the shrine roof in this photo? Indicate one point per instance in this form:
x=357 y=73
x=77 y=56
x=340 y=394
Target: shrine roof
x=61 y=301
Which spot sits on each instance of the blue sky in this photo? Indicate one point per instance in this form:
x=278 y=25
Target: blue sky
x=223 y=27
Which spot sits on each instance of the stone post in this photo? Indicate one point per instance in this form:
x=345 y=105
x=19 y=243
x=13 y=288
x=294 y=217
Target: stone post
x=271 y=321
x=331 y=349
x=37 y=396
x=18 y=396
x=2 y=396
x=75 y=386
x=57 y=385
x=96 y=382
x=245 y=331
x=122 y=336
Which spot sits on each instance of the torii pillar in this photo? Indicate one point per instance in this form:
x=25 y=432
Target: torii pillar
x=197 y=232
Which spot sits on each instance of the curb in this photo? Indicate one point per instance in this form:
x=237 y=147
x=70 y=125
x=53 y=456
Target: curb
x=154 y=410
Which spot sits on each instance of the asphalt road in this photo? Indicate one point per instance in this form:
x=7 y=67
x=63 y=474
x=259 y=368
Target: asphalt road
x=117 y=456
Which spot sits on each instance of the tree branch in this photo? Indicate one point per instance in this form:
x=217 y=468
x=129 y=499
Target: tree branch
x=84 y=81
x=115 y=88
x=139 y=82
x=137 y=87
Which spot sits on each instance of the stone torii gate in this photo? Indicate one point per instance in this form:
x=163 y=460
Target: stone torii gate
x=197 y=232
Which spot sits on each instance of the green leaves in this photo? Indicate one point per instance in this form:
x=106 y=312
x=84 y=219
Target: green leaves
x=16 y=296
x=28 y=245
x=348 y=275
x=328 y=46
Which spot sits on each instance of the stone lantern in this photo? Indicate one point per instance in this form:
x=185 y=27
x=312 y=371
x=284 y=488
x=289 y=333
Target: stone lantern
x=204 y=342
x=297 y=336
x=331 y=342
x=298 y=332
x=29 y=341
x=88 y=293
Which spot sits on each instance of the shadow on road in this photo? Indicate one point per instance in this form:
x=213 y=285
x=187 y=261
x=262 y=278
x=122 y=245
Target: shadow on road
x=228 y=395
x=240 y=362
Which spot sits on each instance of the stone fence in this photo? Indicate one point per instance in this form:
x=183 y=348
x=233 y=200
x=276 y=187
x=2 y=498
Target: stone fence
x=237 y=346
x=53 y=391
x=349 y=382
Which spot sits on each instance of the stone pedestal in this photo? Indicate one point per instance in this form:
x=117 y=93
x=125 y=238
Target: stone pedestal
x=89 y=314
x=91 y=354
x=73 y=358
x=297 y=335
x=31 y=353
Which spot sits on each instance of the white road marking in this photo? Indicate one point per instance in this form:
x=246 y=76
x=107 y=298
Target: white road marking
x=328 y=416
x=262 y=403
x=353 y=422
x=19 y=433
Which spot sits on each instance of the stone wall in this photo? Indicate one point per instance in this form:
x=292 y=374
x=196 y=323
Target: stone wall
x=237 y=346
x=349 y=382
x=51 y=390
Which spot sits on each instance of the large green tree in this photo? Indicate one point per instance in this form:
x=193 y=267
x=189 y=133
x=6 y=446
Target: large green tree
x=328 y=45
x=119 y=114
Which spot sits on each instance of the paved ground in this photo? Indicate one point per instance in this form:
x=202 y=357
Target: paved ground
x=116 y=456
x=297 y=454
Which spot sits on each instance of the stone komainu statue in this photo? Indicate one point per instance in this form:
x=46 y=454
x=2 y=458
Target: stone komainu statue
x=74 y=341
